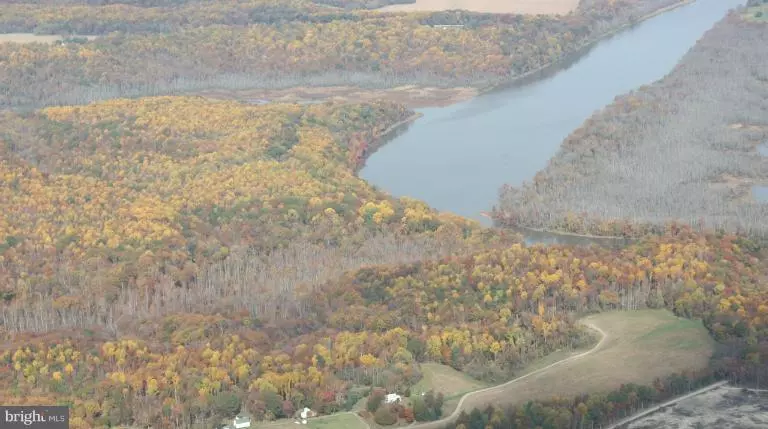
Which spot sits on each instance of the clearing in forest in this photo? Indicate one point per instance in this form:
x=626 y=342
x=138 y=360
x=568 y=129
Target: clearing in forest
x=639 y=346
x=446 y=380
x=529 y=7
x=334 y=421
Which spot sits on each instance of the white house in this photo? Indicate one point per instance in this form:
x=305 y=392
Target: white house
x=392 y=398
x=303 y=415
x=241 y=421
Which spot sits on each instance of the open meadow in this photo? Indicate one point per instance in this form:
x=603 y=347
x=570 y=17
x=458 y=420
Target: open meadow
x=446 y=380
x=335 y=421
x=638 y=347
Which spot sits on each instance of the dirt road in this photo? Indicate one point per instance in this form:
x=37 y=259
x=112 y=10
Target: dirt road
x=439 y=424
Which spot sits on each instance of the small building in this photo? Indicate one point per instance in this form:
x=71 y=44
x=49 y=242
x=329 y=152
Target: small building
x=392 y=398
x=446 y=26
x=241 y=421
x=304 y=414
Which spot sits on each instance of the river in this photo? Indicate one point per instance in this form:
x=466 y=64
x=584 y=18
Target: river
x=456 y=158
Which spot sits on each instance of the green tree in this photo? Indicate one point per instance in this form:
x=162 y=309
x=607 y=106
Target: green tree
x=226 y=404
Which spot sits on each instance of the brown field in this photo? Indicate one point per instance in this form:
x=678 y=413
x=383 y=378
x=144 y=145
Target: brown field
x=412 y=96
x=528 y=7
x=638 y=346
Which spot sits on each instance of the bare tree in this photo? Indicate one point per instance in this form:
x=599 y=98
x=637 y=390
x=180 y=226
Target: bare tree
x=682 y=149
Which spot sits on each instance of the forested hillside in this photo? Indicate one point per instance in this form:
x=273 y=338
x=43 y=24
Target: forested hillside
x=108 y=198
x=267 y=44
x=169 y=259
x=684 y=148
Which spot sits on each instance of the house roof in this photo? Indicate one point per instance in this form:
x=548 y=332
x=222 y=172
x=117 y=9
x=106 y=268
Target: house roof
x=242 y=419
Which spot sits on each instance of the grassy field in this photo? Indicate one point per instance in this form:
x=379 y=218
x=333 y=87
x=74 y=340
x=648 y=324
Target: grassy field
x=446 y=380
x=639 y=347
x=335 y=421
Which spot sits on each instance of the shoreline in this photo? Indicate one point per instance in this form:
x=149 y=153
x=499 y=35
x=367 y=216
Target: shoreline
x=380 y=139
x=572 y=234
x=587 y=44
x=389 y=130
x=562 y=233
x=411 y=95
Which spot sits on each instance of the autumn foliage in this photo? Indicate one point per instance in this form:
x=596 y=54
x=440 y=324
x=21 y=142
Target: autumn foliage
x=264 y=44
x=165 y=261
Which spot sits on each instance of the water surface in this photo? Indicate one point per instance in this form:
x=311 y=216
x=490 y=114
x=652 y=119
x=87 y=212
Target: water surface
x=760 y=193
x=456 y=158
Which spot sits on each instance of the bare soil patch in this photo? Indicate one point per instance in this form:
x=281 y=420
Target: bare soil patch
x=528 y=7
x=411 y=96
x=722 y=408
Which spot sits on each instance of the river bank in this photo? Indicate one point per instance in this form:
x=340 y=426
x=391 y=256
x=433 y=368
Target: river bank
x=580 y=50
x=456 y=158
x=666 y=152
x=415 y=96
x=381 y=138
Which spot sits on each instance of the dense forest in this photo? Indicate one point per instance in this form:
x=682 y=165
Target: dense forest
x=683 y=148
x=267 y=44
x=140 y=192
x=171 y=259
x=160 y=323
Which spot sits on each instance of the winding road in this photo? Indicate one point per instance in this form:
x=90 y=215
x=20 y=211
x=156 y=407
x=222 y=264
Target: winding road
x=440 y=424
